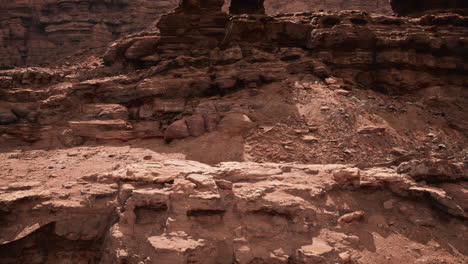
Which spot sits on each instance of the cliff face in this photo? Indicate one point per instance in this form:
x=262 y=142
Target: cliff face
x=416 y=7
x=37 y=32
x=98 y=157
x=33 y=32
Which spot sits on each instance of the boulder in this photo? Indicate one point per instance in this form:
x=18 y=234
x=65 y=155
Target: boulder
x=142 y=47
x=177 y=130
x=318 y=252
x=235 y=124
x=196 y=125
x=211 y=121
x=69 y=139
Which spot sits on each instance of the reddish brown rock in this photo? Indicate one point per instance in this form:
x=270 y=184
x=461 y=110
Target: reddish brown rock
x=196 y=125
x=177 y=130
x=40 y=31
x=418 y=7
x=211 y=121
x=351 y=217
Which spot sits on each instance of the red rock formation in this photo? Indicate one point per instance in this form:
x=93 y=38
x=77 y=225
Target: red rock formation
x=378 y=101
x=37 y=32
x=41 y=31
x=195 y=25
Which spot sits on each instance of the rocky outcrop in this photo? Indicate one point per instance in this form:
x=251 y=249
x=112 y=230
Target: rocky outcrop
x=42 y=31
x=151 y=84
x=333 y=137
x=175 y=211
x=418 y=7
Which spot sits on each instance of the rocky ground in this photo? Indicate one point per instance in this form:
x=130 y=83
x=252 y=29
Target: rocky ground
x=326 y=137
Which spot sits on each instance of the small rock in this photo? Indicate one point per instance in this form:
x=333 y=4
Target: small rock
x=331 y=80
x=324 y=108
x=68 y=185
x=310 y=139
x=345 y=256
x=342 y=92
x=371 y=130
x=352 y=217
x=442 y=146
x=301 y=131
x=312 y=172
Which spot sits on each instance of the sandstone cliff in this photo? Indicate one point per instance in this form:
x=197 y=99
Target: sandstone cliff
x=313 y=137
x=35 y=32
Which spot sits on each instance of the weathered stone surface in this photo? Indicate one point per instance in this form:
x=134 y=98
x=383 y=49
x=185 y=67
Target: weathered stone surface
x=142 y=47
x=417 y=7
x=196 y=125
x=188 y=211
x=39 y=31
x=104 y=112
x=375 y=6
x=433 y=170
x=7 y=118
x=177 y=130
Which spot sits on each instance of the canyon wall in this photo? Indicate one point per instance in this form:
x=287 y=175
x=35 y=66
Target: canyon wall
x=37 y=32
x=34 y=32
x=417 y=7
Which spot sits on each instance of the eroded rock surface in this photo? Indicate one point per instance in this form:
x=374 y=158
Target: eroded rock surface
x=418 y=7
x=41 y=31
x=327 y=137
x=177 y=211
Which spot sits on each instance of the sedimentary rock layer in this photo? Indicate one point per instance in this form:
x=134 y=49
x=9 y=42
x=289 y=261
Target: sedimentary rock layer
x=178 y=212
x=375 y=6
x=40 y=31
x=417 y=7
x=37 y=32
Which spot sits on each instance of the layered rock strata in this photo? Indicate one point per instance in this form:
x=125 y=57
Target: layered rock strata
x=176 y=212
x=418 y=7
x=41 y=31
x=202 y=69
x=279 y=6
